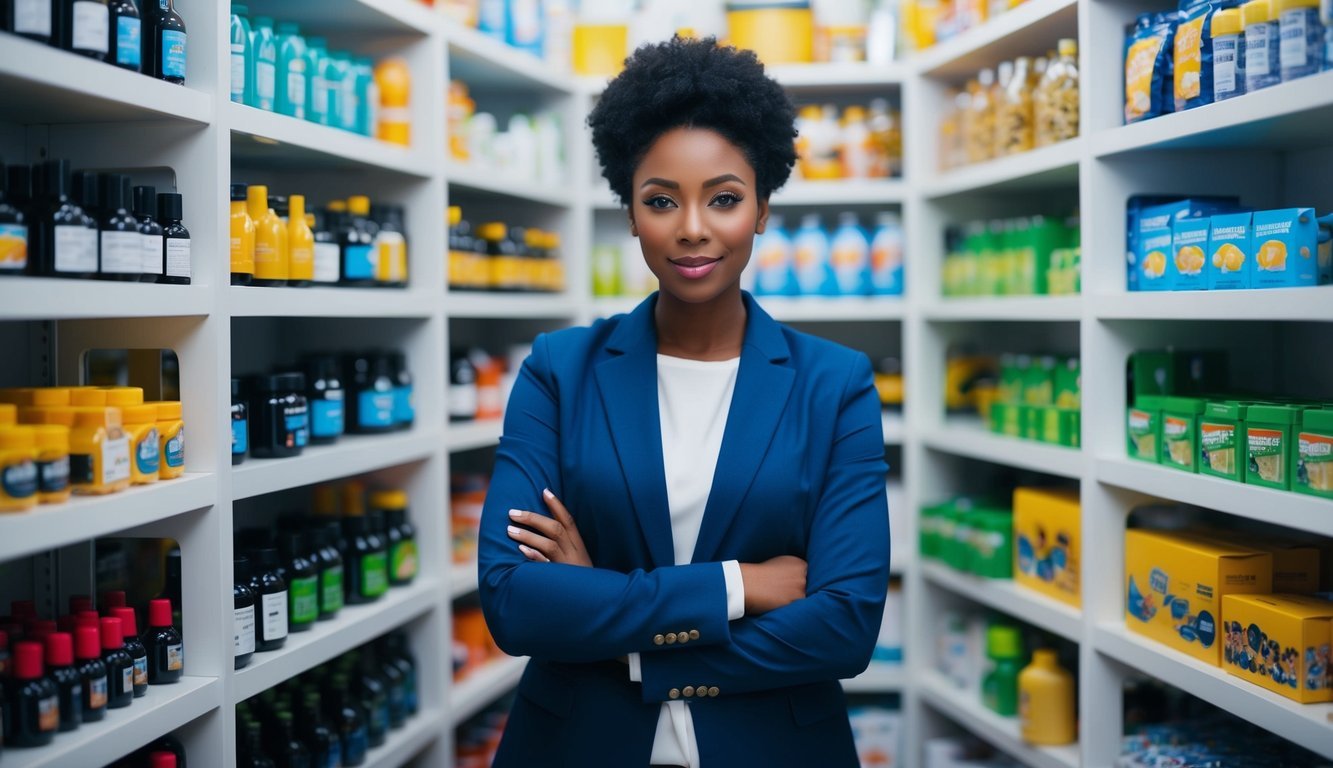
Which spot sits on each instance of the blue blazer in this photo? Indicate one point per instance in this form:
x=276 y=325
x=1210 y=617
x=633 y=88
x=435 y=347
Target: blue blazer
x=801 y=472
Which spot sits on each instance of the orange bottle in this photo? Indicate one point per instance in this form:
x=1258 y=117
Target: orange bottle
x=395 y=116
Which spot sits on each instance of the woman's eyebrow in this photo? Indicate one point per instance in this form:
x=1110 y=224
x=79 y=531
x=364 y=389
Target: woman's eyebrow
x=713 y=182
x=660 y=183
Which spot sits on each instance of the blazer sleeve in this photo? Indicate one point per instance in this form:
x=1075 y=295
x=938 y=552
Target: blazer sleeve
x=831 y=633
x=569 y=613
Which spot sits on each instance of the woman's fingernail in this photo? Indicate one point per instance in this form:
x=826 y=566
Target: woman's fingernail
x=524 y=549
x=547 y=493
x=514 y=531
x=516 y=514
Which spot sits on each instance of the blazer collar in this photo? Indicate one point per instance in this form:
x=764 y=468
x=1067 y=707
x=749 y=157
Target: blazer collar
x=638 y=330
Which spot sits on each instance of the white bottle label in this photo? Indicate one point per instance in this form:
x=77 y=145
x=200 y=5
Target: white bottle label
x=175 y=657
x=326 y=262
x=32 y=17
x=1224 y=64
x=1256 y=49
x=122 y=253
x=90 y=26
x=151 y=254
x=243 y=630
x=1291 y=32
x=275 y=615
x=127 y=680
x=265 y=72
x=237 y=72
x=115 y=460
x=319 y=96
x=178 y=257
x=76 y=248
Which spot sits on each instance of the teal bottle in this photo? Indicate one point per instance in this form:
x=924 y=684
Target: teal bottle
x=316 y=87
x=332 y=72
x=291 y=74
x=345 y=77
x=242 y=59
x=264 y=49
x=368 y=97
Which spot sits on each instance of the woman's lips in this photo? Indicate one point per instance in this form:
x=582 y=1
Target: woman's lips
x=694 y=267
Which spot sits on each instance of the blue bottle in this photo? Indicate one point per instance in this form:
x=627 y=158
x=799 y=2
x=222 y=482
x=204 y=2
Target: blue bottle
x=886 y=256
x=773 y=261
x=264 y=49
x=850 y=257
x=290 y=76
x=811 y=260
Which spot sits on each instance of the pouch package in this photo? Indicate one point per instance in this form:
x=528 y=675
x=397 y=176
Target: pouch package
x=1192 y=71
x=1149 y=55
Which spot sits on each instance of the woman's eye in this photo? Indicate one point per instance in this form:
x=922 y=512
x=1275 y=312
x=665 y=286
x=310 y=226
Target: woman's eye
x=726 y=200
x=659 y=202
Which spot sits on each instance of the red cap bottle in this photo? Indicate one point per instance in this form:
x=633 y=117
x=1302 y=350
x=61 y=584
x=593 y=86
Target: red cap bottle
x=23 y=609
x=166 y=652
x=92 y=672
x=113 y=636
x=90 y=618
x=159 y=613
x=69 y=688
x=80 y=603
x=36 y=708
x=161 y=760
x=87 y=643
x=129 y=623
x=119 y=665
x=28 y=661
x=113 y=599
x=59 y=650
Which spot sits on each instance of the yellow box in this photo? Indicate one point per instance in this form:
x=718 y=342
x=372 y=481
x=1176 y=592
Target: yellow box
x=1174 y=584
x=1280 y=642
x=777 y=35
x=1047 y=536
x=1296 y=565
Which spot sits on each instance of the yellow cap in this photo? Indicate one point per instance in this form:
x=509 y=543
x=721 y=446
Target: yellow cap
x=354 y=499
x=553 y=240
x=88 y=397
x=1290 y=5
x=534 y=238
x=51 y=396
x=337 y=206
x=1256 y=12
x=97 y=417
x=17 y=439
x=310 y=220
x=1068 y=47
x=325 y=502
x=854 y=114
x=358 y=205
x=1226 y=22
x=811 y=112
x=455 y=215
x=17 y=395
x=51 y=437
x=167 y=410
x=388 y=500
x=124 y=396
x=492 y=230
x=9 y=414
x=63 y=415
x=139 y=414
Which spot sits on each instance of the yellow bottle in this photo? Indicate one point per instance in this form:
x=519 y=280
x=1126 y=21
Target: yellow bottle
x=271 y=266
x=242 y=238
x=171 y=437
x=18 y=469
x=1046 y=701
x=300 y=243
x=140 y=422
x=99 y=452
x=395 y=114
x=9 y=414
x=52 y=442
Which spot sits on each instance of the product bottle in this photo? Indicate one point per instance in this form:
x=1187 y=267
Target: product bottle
x=279 y=206
x=349 y=101
x=35 y=700
x=370 y=401
x=854 y=148
x=150 y=232
x=395 y=684
x=395 y=649
x=302 y=583
x=264 y=50
x=121 y=243
x=252 y=753
x=319 y=738
x=242 y=237
x=886 y=139
x=390 y=247
x=125 y=30
x=169 y=55
x=85 y=28
x=1056 y=102
x=242 y=73
x=999 y=688
x=271 y=626
x=243 y=613
x=290 y=76
x=300 y=244
x=356 y=241
x=1014 y=112
x=14 y=221
x=64 y=244
x=334 y=70
x=240 y=424
x=270 y=267
x=979 y=121
x=773 y=260
x=176 y=255
x=325 y=396
x=886 y=256
x=811 y=258
x=317 y=88
x=404 y=411
x=331 y=571
x=395 y=116
x=32 y=19
x=462 y=387
x=1046 y=701
x=349 y=723
x=327 y=254
x=162 y=759
x=374 y=695
x=368 y=97
x=69 y=684
x=92 y=672
x=400 y=534
x=119 y=664
x=288 y=751
x=166 y=654
x=850 y=256
x=366 y=573
x=129 y=627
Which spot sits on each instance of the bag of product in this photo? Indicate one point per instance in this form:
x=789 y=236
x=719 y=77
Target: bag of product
x=1192 y=64
x=1148 y=66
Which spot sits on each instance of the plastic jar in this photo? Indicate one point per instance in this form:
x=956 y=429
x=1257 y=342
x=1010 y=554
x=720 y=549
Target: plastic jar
x=88 y=397
x=1056 y=104
x=18 y=469
x=1228 y=34
x=370 y=397
x=51 y=397
x=9 y=415
x=1262 y=61
x=326 y=398
x=171 y=439
x=1014 y=112
x=123 y=397
x=240 y=424
x=1301 y=51
x=404 y=412
x=140 y=424
x=99 y=452
x=52 y=442
x=279 y=416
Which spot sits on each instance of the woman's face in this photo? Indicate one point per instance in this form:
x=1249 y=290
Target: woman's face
x=696 y=210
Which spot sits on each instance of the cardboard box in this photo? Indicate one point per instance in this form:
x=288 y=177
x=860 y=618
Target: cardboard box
x=1186 y=270
x=1313 y=458
x=1287 y=249
x=1280 y=642
x=1180 y=432
x=1047 y=542
x=1143 y=429
x=1154 y=253
x=1296 y=564
x=1230 y=252
x=1175 y=582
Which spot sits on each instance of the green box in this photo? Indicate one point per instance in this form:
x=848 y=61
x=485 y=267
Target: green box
x=992 y=543
x=1029 y=417
x=1143 y=428
x=1013 y=369
x=1269 y=436
x=1180 y=432
x=1313 y=449
x=1006 y=419
x=1222 y=439
x=1174 y=372
x=1068 y=386
x=1074 y=418
x=1039 y=381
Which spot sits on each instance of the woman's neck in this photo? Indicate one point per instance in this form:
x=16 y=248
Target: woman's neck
x=714 y=330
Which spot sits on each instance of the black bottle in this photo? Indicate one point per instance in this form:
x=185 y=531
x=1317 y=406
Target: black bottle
x=150 y=234
x=85 y=26
x=252 y=754
x=240 y=424
x=302 y=582
x=92 y=672
x=399 y=535
x=238 y=195
x=176 y=263
x=374 y=694
x=356 y=238
x=348 y=720
x=125 y=35
x=327 y=254
x=65 y=246
x=395 y=685
x=166 y=652
x=396 y=650
x=370 y=396
x=13 y=226
x=271 y=592
x=243 y=613
x=462 y=386
x=171 y=586
x=279 y=415
x=289 y=752
x=34 y=699
x=367 y=562
x=330 y=565
x=404 y=411
x=121 y=244
x=30 y=18
x=129 y=625
x=319 y=738
x=69 y=684
x=325 y=398
x=169 y=44
x=119 y=665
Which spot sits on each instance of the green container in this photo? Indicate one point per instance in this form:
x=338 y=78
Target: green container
x=1039 y=381
x=946 y=525
x=1013 y=369
x=1178 y=373
x=1143 y=428
x=1029 y=422
x=992 y=539
x=1074 y=418
x=1269 y=442
x=999 y=688
x=1313 y=449
x=1180 y=432
x=1222 y=439
x=1068 y=383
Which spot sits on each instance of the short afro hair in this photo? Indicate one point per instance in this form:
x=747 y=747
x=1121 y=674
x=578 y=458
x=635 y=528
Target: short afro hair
x=696 y=84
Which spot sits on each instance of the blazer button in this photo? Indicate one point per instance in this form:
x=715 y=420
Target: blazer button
x=688 y=692
x=674 y=693
x=694 y=634
x=683 y=637
x=713 y=691
x=658 y=639
x=701 y=691
x=671 y=638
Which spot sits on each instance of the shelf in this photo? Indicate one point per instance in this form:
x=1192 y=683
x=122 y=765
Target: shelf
x=487 y=64
x=1001 y=732
x=1007 y=597
x=1300 y=304
x=1047 y=168
x=1309 y=725
x=47 y=85
x=470 y=695
x=50 y=298
x=1293 y=510
x=353 y=626
x=1008 y=308
x=330 y=302
x=82 y=518
x=162 y=710
x=471 y=435
x=1289 y=116
x=463 y=176
x=505 y=306
x=894 y=428
x=279 y=142
x=351 y=455
x=818 y=309
x=828 y=75
x=406 y=742
x=363 y=18
x=878 y=678
x=841 y=193
x=1031 y=29
x=963 y=436
x=462 y=580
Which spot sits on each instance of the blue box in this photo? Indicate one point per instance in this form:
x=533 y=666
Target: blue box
x=1152 y=217
x=1187 y=269
x=1230 y=252
x=1154 y=255
x=1287 y=249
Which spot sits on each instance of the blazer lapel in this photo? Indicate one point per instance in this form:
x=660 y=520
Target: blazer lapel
x=763 y=385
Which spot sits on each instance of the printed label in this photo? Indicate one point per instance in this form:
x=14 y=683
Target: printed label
x=150 y=254
x=319 y=97
x=374 y=574
x=463 y=400
x=1292 y=51
x=81 y=468
x=48 y=714
x=13 y=246
x=97 y=692
x=53 y=476
x=359 y=262
x=32 y=17
x=19 y=481
x=1315 y=447
x=1256 y=49
x=403 y=410
x=375 y=409
x=1216 y=437
x=1189 y=58
x=243 y=630
x=296 y=88
x=240 y=436
x=265 y=88
x=175 y=657
x=298 y=427
x=331 y=589
x=127 y=680
x=90 y=26
x=175 y=454
x=178 y=257
x=274 y=607
x=403 y=560
x=141 y=671
x=326 y=416
x=122 y=253
x=1139 y=63
x=173 y=53
x=75 y=248
x=303 y=600
x=1174 y=429
x=115 y=460
x=326 y=263
x=1225 y=50
x=128 y=40
x=1264 y=442
x=238 y=72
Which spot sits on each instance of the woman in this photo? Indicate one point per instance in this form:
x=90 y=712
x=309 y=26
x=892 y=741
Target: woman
x=721 y=555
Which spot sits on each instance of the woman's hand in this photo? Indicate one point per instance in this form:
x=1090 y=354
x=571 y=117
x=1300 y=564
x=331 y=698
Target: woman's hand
x=552 y=539
x=773 y=584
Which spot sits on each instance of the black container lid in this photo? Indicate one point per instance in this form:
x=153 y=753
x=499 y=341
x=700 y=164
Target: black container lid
x=282 y=383
x=115 y=188
x=86 y=189
x=240 y=569
x=18 y=181
x=145 y=201
x=170 y=206
x=321 y=366
x=239 y=192
x=54 y=179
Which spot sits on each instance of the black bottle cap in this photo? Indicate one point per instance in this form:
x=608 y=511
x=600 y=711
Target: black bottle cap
x=240 y=569
x=18 y=179
x=54 y=179
x=114 y=189
x=280 y=383
x=145 y=201
x=320 y=366
x=86 y=190
x=280 y=205
x=169 y=206
x=267 y=557
x=239 y=192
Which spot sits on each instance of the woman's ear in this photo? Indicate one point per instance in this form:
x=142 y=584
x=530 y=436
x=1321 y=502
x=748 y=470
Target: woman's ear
x=633 y=228
x=761 y=223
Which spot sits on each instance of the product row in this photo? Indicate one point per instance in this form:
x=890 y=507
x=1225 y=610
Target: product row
x=1214 y=243
x=1033 y=397
x=926 y=23
x=274 y=68
x=152 y=42
x=164 y=752
x=477 y=740
x=55 y=441
x=276 y=242
x=84 y=224
x=335 y=713
x=811 y=261
x=866 y=143
x=1212 y=50
x=530 y=149
x=1209 y=738
x=473 y=645
x=1032 y=102
x=479 y=382
x=494 y=256
x=1032 y=256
